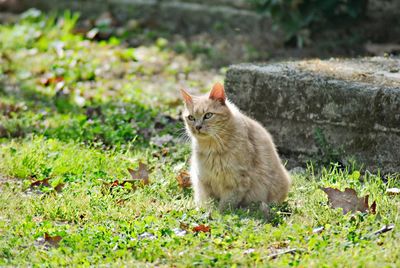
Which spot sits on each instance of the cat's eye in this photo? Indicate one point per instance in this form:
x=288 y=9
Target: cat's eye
x=191 y=117
x=208 y=115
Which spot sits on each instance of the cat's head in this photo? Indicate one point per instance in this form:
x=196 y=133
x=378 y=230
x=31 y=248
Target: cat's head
x=207 y=116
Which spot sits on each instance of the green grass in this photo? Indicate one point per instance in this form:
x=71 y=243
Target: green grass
x=109 y=113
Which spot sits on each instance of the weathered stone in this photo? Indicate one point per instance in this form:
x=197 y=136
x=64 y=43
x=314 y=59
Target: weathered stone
x=87 y=8
x=143 y=10
x=193 y=18
x=242 y=4
x=355 y=104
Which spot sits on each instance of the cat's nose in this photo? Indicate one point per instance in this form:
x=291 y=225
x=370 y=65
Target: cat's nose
x=198 y=127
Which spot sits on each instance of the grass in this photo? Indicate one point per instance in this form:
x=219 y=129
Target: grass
x=80 y=113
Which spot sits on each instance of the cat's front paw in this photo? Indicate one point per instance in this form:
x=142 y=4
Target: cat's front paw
x=222 y=206
x=265 y=210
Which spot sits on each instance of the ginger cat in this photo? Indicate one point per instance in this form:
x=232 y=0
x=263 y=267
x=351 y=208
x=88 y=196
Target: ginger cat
x=234 y=160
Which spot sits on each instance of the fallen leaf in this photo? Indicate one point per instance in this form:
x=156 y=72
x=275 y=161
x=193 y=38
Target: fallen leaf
x=52 y=240
x=59 y=187
x=45 y=81
x=40 y=183
x=348 y=200
x=393 y=191
x=201 y=228
x=141 y=173
x=184 y=226
x=184 y=179
x=372 y=208
x=115 y=183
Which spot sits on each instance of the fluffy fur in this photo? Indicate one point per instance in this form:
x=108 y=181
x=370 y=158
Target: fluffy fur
x=234 y=160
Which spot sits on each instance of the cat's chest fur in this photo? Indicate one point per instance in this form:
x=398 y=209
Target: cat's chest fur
x=219 y=170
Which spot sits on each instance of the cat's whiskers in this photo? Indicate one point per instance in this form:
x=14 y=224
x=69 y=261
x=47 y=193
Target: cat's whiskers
x=183 y=135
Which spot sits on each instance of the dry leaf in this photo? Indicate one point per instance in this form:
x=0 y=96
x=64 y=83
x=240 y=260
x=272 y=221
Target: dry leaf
x=45 y=183
x=45 y=81
x=52 y=240
x=115 y=184
x=59 y=187
x=372 y=208
x=184 y=179
x=183 y=226
x=348 y=200
x=39 y=183
x=201 y=228
x=393 y=191
x=140 y=174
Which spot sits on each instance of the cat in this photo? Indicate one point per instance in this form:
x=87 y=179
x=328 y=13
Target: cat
x=234 y=160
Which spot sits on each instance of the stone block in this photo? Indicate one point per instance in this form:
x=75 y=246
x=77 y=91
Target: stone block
x=354 y=104
x=141 y=10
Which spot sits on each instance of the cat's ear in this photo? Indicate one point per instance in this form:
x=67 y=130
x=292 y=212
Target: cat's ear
x=218 y=93
x=186 y=97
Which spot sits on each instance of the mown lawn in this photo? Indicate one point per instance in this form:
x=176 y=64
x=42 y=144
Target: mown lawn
x=75 y=114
